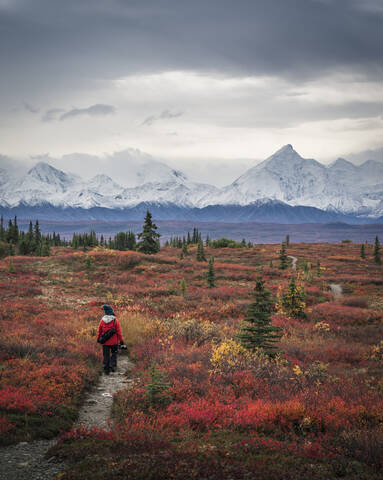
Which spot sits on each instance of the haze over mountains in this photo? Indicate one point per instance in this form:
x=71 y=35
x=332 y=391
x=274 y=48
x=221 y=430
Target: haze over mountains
x=281 y=187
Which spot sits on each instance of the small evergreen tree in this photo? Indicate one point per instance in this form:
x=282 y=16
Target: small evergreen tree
x=362 y=252
x=287 y=240
x=211 y=274
x=183 y=287
x=157 y=390
x=149 y=238
x=293 y=301
x=45 y=248
x=319 y=272
x=377 y=258
x=2 y=230
x=184 y=249
x=200 y=252
x=89 y=263
x=283 y=257
x=257 y=332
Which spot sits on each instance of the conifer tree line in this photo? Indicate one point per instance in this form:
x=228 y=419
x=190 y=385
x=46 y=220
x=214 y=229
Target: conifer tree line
x=121 y=241
x=195 y=238
x=15 y=241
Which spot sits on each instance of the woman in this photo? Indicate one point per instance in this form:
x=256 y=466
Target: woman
x=110 y=346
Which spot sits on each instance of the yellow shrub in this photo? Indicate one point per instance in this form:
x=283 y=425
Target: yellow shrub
x=322 y=327
x=229 y=355
x=376 y=352
x=136 y=326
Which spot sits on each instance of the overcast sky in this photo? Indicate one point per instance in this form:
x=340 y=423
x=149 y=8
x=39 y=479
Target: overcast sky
x=210 y=86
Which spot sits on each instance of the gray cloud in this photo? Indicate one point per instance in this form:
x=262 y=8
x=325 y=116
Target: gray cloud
x=94 y=111
x=59 y=53
x=166 y=114
x=51 y=114
x=75 y=43
x=30 y=108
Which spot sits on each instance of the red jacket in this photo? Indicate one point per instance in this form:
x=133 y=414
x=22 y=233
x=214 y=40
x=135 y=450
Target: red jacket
x=106 y=323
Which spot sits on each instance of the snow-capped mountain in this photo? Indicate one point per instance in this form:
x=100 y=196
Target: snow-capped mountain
x=285 y=177
x=288 y=177
x=133 y=165
x=44 y=184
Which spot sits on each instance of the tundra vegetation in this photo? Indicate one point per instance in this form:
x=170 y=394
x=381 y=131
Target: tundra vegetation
x=208 y=399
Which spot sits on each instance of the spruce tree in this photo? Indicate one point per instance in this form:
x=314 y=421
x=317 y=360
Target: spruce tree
x=11 y=249
x=283 y=257
x=211 y=274
x=184 y=250
x=287 y=240
x=200 y=252
x=362 y=252
x=183 y=287
x=318 y=268
x=158 y=389
x=45 y=248
x=149 y=238
x=15 y=231
x=293 y=301
x=377 y=258
x=257 y=331
x=2 y=230
x=37 y=239
x=9 y=232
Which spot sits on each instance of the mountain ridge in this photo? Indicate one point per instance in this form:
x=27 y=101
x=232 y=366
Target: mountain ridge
x=339 y=188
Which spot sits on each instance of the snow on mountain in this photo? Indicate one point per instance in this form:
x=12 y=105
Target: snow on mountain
x=46 y=174
x=43 y=183
x=181 y=193
x=131 y=166
x=285 y=176
x=288 y=177
x=103 y=183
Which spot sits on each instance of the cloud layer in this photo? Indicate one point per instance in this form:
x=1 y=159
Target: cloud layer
x=251 y=76
x=93 y=111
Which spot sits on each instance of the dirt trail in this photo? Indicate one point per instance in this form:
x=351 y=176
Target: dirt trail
x=336 y=289
x=294 y=262
x=96 y=408
x=28 y=461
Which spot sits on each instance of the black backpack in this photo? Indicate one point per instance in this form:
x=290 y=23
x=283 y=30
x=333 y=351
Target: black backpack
x=108 y=334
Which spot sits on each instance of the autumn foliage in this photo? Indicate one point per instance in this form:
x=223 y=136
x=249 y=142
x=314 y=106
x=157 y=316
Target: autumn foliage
x=200 y=404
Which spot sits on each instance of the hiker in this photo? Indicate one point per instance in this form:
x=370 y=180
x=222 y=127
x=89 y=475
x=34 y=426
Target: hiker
x=109 y=340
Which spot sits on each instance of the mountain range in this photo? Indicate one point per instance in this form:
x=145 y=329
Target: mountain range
x=285 y=186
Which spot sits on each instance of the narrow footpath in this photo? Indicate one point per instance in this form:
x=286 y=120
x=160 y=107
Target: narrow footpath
x=336 y=289
x=294 y=262
x=28 y=460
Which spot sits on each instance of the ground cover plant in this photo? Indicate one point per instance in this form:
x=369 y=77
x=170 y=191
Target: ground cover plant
x=202 y=405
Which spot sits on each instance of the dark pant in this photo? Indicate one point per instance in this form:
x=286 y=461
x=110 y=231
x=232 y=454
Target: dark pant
x=110 y=357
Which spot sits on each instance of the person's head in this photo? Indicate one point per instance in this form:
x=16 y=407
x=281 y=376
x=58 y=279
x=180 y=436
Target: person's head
x=108 y=310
